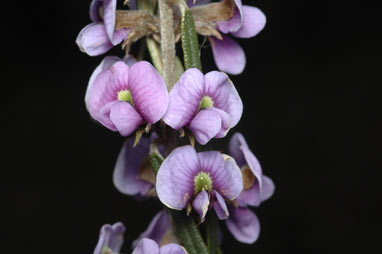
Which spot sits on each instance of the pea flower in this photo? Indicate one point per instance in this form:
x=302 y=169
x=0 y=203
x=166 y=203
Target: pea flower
x=208 y=105
x=122 y=98
x=246 y=22
x=243 y=223
x=148 y=246
x=201 y=180
x=99 y=36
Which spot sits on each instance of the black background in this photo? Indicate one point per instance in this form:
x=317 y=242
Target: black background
x=310 y=116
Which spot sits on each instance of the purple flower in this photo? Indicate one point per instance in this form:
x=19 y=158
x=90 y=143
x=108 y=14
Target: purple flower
x=202 y=179
x=122 y=98
x=100 y=36
x=243 y=223
x=148 y=246
x=246 y=22
x=208 y=105
x=110 y=239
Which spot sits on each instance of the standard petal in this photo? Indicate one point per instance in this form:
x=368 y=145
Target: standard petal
x=220 y=206
x=93 y=39
x=94 y=10
x=243 y=225
x=111 y=237
x=225 y=174
x=172 y=248
x=175 y=179
x=236 y=143
x=146 y=246
x=126 y=170
x=229 y=56
x=235 y=22
x=201 y=203
x=125 y=118
x=109 y=8
x=148 y=91
x=268 y=188
x=185 y=99
x=253 y=22
x=205 y=125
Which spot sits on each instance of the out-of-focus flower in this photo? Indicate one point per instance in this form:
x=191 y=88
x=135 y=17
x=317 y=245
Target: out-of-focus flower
x=208 y=105
x=122 y=98
x=110 y=239
x=148 y=246
x=202 y=179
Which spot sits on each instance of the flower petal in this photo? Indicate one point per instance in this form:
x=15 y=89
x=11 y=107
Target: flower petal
x=229 y=56
x=94 y=10
x=225 y=123
x=256 y=170
x=201 y=203
x=234 y=148
x=268 y=188
x=125 y=118
x=146 y=246
x=205 y=125
x=185 y=99
x=172 y=248
x=175 y=179
x=225 y=174
x=253 y=22
x=235 y=22
x=249 y=197
x=109 y=8
x=220 y=206
x=243 y=225
x=126 y=170
x=103 y=116
x=111 y=237
x=148 y=90
x=93 y=39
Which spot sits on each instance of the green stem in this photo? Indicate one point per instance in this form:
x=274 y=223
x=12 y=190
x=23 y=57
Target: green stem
x=154 y=52
x=212 y=225
x=190 y=43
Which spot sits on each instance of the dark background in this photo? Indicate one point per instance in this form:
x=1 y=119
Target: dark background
x=311 y=117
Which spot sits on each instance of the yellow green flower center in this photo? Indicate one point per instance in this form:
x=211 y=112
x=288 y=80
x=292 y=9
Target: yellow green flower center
x=202 y=182
x=206 y=102
x=125 y=95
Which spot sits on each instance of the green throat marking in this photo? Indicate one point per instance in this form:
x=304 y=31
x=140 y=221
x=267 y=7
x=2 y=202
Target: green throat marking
x=202 y=182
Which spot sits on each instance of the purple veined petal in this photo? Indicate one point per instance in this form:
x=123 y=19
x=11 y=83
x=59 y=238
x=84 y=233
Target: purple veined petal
x=109 y=9
x=255 y=167
x=184 y=99
x=253 y=22
x=235 y=22
x=220 y=206
x=146 y=246
x=222 y=91
x=149 y=92
x=243 y=225
x=157 y=229
x=103 y=116
x=225 y=174
x=249 y=197
x=93 y=39
x=175 y=178
x=126 y=170
x=111 y=237
x=94 y=10
x=268 y=188
x=106 y=63
x=234 y=148
x=201 y=204
x=125 y=118
x=205 y=125
x=106 y=86
x=172 y=248
x=120 y=35
x=229 y=56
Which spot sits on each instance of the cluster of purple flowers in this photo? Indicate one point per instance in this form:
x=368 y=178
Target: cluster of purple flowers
x=124 y=95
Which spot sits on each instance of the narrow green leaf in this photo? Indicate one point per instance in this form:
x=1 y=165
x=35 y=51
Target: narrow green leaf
x=156 y=160
x=190 y=43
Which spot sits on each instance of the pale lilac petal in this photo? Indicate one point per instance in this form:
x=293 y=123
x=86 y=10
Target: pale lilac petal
x=205 y=125
x=109 y=8
x=125 y=118
x=126 y=170
x=111 y=237
x=185 y=99
x=93 y=39
x=254 y=166
x=201 y=203
x=250 y=197
x=158 y=227
x=175 y=179
x=94 y=10
x=222 y=91
x=148 y=90
x=243 y=225
x=172 y=248
x=236 y=142
x=119 y=35
x=225 y=123
x=268 y=188
x=146 y=246
x=103 y=116
x=225 y=174
x=235 y=22
x=220 y=206
x=253 y=22
x=229 y=56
